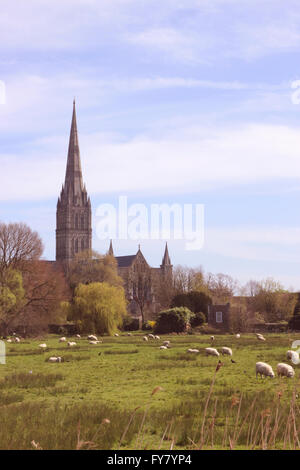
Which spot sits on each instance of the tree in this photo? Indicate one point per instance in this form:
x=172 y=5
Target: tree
x=141 y=292
x=194 y=301
x=12 y=298
x=18 y=246
x=89 y=266
x=174 y=320
x=273 y=301
x=97 y=307
x=221 y=286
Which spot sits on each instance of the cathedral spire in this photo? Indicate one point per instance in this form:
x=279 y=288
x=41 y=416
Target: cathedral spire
x=166 y=259
x=111 y=250
x=73 y=179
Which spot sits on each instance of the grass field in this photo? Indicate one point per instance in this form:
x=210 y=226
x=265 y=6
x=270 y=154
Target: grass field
x=68 y=405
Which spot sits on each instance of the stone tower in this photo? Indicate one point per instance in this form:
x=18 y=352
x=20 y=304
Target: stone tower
x=166 y=266
x=73 y=212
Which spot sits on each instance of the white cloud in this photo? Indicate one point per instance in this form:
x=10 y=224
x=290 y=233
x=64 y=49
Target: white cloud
x=182 y=160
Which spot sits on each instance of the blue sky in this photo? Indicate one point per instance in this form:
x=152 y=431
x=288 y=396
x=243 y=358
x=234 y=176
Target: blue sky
x=177 y=101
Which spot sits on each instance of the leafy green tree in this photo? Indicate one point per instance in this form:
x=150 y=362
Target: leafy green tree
x=97 y=307
x=194 y=301
x=174 y=320
x=89 y=266
x=198 y=319
x=12 y=297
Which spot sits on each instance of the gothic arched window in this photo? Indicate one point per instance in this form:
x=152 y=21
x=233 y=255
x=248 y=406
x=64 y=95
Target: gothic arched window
x=76 y=245
x=76 y=221
x=82 y=222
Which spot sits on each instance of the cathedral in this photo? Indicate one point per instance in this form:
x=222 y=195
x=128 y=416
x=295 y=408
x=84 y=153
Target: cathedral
x=142 y=283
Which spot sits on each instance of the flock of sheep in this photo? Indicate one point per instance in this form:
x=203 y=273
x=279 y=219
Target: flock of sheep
x=262 y=369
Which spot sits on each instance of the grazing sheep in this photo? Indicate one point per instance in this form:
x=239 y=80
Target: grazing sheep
x=156 y=337
x=92 y=337
x=285 y=370
x=129 y=334
x=212 y=338
x=151 y=336
x=227 y=351
x=63 y=339
x=116 y=334
x=211 y=352
x=94 y=342
x=195 y=351
x=9 y=340
x=260 y=337
x=78 y=336
x=166 y=343
x=71 y=344
x=163 y=347
x=145 y=338
x=293 y=356
x=17 y=340
x=237 y=335
x=43 y=346
x=55 y=359
x=262 y=368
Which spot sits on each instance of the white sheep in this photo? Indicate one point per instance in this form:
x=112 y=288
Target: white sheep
x=145 y=338
x=94 y=342
x=163 y=347
x=166 y=343
x=71 y=344
x=9 y=340
x=129 y=334
x=55 y=359
x=237 y=335
x=211 y=352
x=285 y=370
x=78 y=336
x=156 y=337
x=293 y=356
x=63 y=339
x=43 y=346
x=227 y=351
x=262 y=368
x=17 y=340
x=260 y=337
x=195 y=351
x=151 y=336
x=212 y=338
x=116 y=334
x=92 y=337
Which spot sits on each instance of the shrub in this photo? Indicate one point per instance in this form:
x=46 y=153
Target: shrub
x=197 y=319
x=146 y=326
x=194 y=301
x=130 y=323
x=174 y=320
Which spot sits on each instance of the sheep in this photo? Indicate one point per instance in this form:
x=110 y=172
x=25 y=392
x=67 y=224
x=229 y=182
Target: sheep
x=151 y=336
x=145 y=338
x=78 y=336
x=94 y=342
x=193 y=351
x=260 y=337
x=129 y=334
x=116 y=334
x=9 y=340
x=211 y=352
x=17 y=340
x=55 y=359
x=71 y=344
x=166 y=343
x=63 y=339
x=285 y=370
x=156 y=337
x=92 y=337
x=227 y=351
x=262 y=368
x=237 y=335
x=212 y=338
x=163 y=347
x=43 y=346
x=293 y=356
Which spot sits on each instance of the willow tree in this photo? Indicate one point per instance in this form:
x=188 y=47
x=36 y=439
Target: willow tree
x=97 y=307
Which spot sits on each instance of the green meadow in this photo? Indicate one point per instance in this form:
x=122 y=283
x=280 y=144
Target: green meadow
x=127 y=393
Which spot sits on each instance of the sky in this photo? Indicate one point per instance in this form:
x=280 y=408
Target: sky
x=178 y=101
